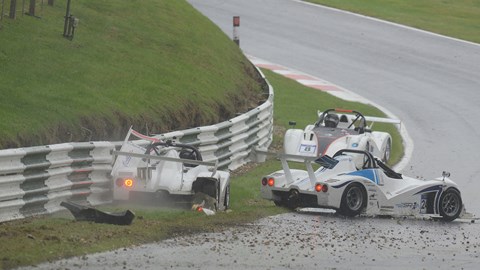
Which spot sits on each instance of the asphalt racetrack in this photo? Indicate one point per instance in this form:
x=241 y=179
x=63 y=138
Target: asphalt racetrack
x=430 y=82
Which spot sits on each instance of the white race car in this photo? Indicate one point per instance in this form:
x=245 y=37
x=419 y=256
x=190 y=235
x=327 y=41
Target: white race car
x=373 y=190
x=338 y=129
x=167 y=170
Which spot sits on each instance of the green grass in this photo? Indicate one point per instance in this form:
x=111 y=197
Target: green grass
x=30 y=241
x=152 y=63
x=454 y=18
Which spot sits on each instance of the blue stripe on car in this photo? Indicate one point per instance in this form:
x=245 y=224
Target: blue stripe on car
x=370 y=174
x=343 y=184
x=430 y=189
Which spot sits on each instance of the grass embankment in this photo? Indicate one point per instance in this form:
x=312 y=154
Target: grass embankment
x=459 y=18
x=34 y=240
x=157 y=65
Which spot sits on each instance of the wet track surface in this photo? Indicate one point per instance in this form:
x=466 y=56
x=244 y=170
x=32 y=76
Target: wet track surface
x=305 y=241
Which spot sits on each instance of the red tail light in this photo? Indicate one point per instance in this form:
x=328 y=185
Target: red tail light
x=124 y=182
x=271 y=182
x=268 y=181
x=128 y=182
x=320 y=187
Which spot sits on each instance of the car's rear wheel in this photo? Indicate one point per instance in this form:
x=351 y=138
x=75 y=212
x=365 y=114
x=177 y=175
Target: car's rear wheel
x=293 y=200
x=354 y=200
x=450 y=205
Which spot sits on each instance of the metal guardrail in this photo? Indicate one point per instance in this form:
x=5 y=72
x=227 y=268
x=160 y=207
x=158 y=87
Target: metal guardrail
x=35 y=180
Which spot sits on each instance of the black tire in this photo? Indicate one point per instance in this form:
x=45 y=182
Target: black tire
x=354 y=200
x=226 y=201
x=388 y=151
x=293 y=200
x=450 y=205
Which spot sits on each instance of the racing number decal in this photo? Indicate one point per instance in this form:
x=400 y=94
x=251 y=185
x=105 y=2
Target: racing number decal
x=308 y=148
x=423 y=205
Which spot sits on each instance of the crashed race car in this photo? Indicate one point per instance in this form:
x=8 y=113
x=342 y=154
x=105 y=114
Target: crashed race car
x=338 y=129
x=167 y=171
x=371 y=188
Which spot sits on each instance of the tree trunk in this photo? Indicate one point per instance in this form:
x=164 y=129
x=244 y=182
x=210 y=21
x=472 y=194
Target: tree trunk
x=31 y=9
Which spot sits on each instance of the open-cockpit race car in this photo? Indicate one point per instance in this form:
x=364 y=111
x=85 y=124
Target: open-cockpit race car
x=337 y=129
x=165 y=170
x=371 y=188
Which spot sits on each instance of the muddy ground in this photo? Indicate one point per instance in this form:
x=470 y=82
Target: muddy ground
x=304 y=241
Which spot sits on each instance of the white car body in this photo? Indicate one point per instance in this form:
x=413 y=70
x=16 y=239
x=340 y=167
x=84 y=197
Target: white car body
x=373 y=190
x=138 y=171
x=352 y=132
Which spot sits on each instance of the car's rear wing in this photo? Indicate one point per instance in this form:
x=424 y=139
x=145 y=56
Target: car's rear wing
x=284 y=158
x=213 y=165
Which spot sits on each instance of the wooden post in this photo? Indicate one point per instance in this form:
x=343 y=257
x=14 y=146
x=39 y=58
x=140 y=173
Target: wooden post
x=1 y=15
x=13 y=9
x=31 y=9
x=67 y=18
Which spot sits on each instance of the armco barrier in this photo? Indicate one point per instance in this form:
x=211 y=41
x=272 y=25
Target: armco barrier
x=35 y=180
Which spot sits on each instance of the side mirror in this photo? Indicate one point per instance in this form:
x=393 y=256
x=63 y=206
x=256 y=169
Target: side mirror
x=445 y=174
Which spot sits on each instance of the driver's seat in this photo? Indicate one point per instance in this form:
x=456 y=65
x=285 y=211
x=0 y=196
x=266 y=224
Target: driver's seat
x=343 y=123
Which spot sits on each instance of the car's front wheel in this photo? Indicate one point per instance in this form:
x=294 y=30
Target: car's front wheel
x=450 y=204
x=354 y=200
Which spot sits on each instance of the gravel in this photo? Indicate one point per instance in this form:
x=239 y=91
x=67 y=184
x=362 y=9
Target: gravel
x=304 y=241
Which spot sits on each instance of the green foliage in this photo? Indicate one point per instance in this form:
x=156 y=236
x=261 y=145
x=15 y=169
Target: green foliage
x=151 y=62
x=455 y=18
